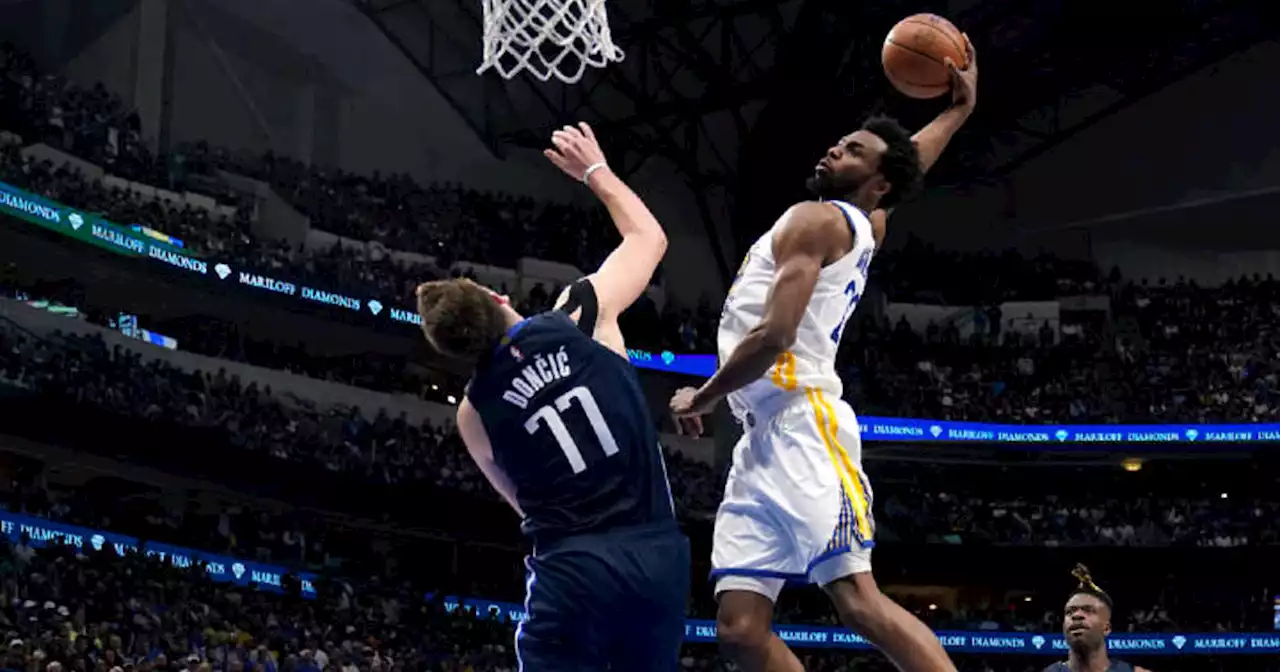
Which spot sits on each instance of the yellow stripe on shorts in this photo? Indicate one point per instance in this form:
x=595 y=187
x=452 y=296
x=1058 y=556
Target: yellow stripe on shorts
x=828 y=428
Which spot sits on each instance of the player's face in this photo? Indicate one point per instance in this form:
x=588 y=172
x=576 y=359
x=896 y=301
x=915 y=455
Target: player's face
x=848 y=166
x=1086 y=621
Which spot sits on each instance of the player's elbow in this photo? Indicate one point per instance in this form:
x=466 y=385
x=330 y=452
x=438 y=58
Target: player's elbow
x=653 y=240
x=775 y=337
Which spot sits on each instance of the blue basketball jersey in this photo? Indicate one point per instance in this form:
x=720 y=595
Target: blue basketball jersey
x=569 y=425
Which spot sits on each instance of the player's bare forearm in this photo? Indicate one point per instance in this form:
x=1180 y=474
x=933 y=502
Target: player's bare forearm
x=750 y=360
x=629 y=213
x=933 y=138
x=625 y=274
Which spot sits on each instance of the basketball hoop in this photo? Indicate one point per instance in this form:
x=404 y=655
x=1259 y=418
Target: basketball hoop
x=547 y=38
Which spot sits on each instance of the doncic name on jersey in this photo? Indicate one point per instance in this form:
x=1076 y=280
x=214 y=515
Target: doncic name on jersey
x=542 y=371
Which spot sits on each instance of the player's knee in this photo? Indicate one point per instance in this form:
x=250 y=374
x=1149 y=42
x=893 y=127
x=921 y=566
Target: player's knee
x=857 y=599
x=741 y=632
x=744 y=622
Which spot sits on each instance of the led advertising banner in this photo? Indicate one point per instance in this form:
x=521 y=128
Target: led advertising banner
x=1048 y=644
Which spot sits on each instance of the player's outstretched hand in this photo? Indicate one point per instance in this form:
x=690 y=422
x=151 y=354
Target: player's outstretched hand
x=574 y=150
x=964 y=82
x=687 y=409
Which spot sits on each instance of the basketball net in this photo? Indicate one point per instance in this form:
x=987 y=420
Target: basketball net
x=547 y=38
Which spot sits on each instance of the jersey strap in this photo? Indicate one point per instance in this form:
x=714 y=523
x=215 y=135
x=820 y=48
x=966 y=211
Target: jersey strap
x=582 y=294
x=858 y=222
x=848 y=218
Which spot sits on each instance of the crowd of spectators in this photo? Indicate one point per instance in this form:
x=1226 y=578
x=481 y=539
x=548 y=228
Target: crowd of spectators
x=448 y=223
x=1166 y=352
x=65 y=608
x=385 y=449
x=388 y=449
x=337 y=545
x=1213 y=504
x=68 y=609
x=86 y=609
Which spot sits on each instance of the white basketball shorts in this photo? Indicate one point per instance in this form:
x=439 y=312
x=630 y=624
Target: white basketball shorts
x=797 y=506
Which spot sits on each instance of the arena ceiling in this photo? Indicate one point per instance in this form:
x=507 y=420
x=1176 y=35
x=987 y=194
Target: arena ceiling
x=733 y=91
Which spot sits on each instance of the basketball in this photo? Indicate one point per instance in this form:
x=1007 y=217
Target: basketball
x=915 y=54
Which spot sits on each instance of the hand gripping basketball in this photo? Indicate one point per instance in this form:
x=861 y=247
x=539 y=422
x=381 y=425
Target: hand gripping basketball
x=964 y=81
x=576 y=151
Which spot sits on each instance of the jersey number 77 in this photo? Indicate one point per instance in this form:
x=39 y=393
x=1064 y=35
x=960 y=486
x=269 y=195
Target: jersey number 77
x=554 y=421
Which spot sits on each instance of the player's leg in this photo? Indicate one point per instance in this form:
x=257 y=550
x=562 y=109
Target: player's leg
x=648 y=624
x=556 y=634
x=908 y=642
x=752 y=556
x=843 y=568
x=744 y=628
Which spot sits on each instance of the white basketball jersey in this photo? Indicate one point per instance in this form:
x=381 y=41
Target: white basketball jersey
x=811 y=360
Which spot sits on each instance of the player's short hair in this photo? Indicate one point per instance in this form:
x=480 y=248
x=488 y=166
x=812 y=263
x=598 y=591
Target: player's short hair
x=460 y=318
x=900 y=163
x=1088 y=587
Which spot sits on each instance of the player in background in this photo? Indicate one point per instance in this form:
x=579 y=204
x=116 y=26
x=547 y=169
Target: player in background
x=1086 y=622
x=555 y=418
x=797 y=506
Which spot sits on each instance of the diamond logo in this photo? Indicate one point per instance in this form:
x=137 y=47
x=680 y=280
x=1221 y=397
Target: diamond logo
x=667 y=357
x=1179 y=641
x=935 y=431
x=97 y=541
x=1037 y=641
x=222 y=270
x=1061 y=434
x=1192 y=434
x=238 y=570
x=76 y=220
x=375 y=306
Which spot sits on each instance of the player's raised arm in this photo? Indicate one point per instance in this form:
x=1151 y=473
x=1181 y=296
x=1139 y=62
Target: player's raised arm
x=800 y=251
x=476 y=438
x=932 y=139
x=626 y=273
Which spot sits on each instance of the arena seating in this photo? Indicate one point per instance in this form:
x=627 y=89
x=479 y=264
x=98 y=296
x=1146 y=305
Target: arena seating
x=142 y=609
x=448 y=222
x=321 y=543
x=1154 y=363
x=394 y=450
